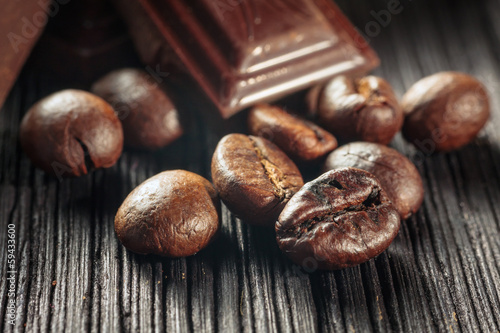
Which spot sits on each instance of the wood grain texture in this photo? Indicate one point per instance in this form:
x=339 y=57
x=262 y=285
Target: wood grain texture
x=441 y=274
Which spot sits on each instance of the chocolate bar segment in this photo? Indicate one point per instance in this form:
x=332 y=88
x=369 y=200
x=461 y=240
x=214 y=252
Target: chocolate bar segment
x=244 y=51
x=21 y=23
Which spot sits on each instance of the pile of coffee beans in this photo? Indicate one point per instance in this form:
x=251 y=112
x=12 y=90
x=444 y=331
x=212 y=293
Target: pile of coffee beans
x=353 y=211
x=349 y=214
x=72 y=132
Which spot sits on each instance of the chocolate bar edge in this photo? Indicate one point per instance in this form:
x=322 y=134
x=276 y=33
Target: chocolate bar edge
x=159 y=53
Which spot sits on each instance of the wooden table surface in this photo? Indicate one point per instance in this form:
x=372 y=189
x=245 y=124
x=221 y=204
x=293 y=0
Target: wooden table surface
x=442 y=273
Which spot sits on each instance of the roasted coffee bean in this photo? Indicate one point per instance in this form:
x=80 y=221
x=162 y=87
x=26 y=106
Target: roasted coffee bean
x=300 y=139
x=254 y=178
x=149 y=118
x=312 y=99
x=173 y=214
x=397 y=174
x=70 y=133
x=341 y=219
x=444 y=111
x=363 y=109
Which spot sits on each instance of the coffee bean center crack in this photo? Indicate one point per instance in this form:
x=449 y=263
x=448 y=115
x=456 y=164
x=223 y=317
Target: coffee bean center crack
x=89 y=163
x=371 y=202
x=275 y=175
x=318 y=135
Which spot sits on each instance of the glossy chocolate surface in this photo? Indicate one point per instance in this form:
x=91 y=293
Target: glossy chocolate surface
x=243 y=52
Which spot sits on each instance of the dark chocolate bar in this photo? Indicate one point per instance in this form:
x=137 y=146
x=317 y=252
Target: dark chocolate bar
x=244 y=51
x=21 y=23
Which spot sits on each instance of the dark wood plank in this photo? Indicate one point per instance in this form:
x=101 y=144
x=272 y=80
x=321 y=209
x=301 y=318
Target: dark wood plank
x=442 y=273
